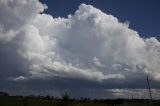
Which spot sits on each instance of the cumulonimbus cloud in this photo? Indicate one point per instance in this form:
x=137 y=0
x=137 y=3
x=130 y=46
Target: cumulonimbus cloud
x=90 y=44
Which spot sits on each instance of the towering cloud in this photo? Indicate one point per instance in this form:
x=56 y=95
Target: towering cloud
x=90 y=45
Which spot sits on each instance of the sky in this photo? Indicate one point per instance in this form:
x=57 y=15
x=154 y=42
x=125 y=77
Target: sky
x=87 y=48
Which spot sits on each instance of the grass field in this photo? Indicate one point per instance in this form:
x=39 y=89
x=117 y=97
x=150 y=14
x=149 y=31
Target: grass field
x=37 y=101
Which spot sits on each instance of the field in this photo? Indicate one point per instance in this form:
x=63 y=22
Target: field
x=47 y=101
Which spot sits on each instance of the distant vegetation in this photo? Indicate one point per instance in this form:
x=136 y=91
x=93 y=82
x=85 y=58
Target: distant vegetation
x=65 y=100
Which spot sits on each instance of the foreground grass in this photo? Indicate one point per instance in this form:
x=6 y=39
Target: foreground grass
x=36 y=101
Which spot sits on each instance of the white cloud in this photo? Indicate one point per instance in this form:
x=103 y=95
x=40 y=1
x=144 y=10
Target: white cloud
x=97 y=62
x=19 y=78
x=134 y=93
x=88 y=45
x=15 y=14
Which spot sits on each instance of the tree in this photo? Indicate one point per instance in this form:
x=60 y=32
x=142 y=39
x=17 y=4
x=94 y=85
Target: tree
x=4 y=94
x=65 y=97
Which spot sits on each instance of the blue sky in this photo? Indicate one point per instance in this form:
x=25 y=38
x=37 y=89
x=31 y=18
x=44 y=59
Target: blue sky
x=143 y=15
